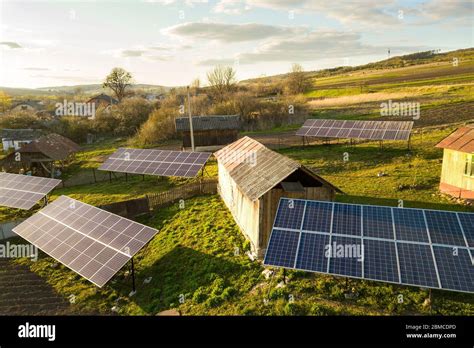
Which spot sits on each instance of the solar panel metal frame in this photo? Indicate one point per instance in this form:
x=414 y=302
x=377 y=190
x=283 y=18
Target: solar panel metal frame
x=24 y=191
x=466 y=248
x=372 y=130
x=156 y=162
x=90 y=241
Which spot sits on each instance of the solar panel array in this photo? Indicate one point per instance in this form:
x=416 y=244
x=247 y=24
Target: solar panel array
x=92 y=242
x=156 y=162
x=24 y=191
x=373 y=130
x=425 y=248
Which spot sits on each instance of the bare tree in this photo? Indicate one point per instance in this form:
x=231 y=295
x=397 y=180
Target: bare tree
x=118 y=80
x=221 y=80
x=297 y=81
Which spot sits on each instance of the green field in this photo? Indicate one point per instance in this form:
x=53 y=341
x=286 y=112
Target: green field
x=198 y=256
x=197 y=261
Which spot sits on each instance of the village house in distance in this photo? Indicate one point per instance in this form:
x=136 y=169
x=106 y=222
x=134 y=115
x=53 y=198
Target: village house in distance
x=210 y=132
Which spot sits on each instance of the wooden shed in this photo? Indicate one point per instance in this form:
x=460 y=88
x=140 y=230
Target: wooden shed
x=253 y=178
x=210 y=132
x=41 y=155
x=457 y=173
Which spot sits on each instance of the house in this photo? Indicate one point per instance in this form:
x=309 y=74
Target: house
x=27 y=105
x=41 y=155
x=253 y=178
x=210 y=132
x=457 y=173
x=15 y=138
x=102 y=100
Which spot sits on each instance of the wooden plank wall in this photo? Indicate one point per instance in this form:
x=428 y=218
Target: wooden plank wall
x=270 y=205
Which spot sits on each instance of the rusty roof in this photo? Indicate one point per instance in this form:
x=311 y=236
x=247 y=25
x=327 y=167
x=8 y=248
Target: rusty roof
x=462 y=139
x=256 y=169
x=53 y=145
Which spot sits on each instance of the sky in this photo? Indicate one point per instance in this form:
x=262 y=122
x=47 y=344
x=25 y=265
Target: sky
x=170 y=42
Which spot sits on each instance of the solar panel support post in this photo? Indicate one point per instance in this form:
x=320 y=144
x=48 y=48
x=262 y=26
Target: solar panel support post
x=126 y=176
x=110 y=177
x=133 y=276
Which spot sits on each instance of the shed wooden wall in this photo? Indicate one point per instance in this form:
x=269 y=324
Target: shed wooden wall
x=270 y=200
x=210 y=137
x=452 y=173
x=244 y=211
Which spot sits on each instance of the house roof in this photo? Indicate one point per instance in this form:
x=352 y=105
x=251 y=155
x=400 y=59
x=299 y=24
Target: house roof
x=35 y=104
x=20 y=134
x=104 y=97
x=53 y=146
x=461 y=139
x=256 y=169
x=208 y=122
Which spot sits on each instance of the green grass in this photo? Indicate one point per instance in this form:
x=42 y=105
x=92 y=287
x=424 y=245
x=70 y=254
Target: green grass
x=197 y=261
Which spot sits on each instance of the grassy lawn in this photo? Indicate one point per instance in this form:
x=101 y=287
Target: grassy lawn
x=197 y=261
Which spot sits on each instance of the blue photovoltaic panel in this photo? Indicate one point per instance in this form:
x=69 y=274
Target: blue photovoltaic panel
x=467 y=223
x=416 y=265
x=347 y=219
x=410 y=225
x=312 y=252
x=444 y=228
x=378 y=222
x=350 y=262
x=282 y=248
x=455 y=268
x=404 y=246
x=318 y=216
x=290 y=213
x=380 y=260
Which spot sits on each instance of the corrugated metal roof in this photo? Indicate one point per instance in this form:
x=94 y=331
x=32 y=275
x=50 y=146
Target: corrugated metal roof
x=256 y=169
x=461 y=139
x=53 y=145
x=208 y=122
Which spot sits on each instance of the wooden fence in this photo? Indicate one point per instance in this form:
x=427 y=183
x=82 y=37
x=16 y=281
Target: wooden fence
x=207 y=186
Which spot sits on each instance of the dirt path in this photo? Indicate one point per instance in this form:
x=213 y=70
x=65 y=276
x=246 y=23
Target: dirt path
x=22 y=292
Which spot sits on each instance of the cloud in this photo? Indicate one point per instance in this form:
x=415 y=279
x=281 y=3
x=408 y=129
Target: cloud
x=10 y=44
x=314 y=46
x=230 y=32
x=346 y=11
x=132 y=53
x=36 y=69
x=190 y=3
x=442 y=10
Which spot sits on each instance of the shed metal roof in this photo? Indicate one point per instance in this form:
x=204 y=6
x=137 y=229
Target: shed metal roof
x=208 y=123
x=53 y=145
x=461 y=139
x=256 y=169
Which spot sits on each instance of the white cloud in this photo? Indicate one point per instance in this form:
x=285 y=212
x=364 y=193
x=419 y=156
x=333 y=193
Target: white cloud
x=314 y=46
x=231 y=32
x=10 y=44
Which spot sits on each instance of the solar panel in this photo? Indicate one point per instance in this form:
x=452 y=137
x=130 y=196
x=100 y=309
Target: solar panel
x=92 y=242
x=373 y=130
x=156 y=162
x=418 y=247
x=24 y=191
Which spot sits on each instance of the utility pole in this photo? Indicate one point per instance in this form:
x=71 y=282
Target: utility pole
x=190 y=121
